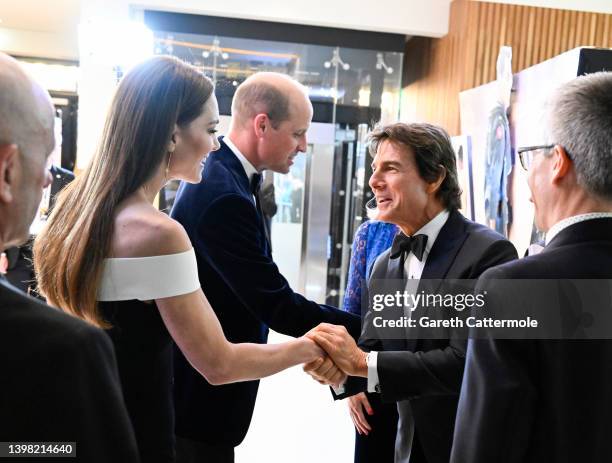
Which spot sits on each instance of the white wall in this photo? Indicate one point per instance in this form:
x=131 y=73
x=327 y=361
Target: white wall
x=39 y=44
x=411 y=17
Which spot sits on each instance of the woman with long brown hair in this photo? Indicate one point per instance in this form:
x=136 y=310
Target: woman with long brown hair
x=107 y=255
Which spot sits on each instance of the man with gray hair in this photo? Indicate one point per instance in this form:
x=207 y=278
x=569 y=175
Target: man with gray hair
x=59 y=381
x=224 y=219
x=551 y=400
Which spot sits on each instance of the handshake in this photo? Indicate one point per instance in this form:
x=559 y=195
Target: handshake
x=344 y=358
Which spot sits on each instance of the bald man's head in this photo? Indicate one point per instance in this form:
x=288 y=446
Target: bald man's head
x=268 y=93
x=26 y=139
x=25 y=107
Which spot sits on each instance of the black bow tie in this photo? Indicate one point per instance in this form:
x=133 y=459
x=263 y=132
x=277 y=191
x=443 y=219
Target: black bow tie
x=403 y=244
x=256 y=180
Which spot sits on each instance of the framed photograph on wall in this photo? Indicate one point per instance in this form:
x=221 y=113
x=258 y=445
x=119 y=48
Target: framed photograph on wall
x=462 y=145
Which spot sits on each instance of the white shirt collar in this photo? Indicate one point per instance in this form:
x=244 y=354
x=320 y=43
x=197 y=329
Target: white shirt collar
x=563 y=224
x=249 y=169
x=432 y=229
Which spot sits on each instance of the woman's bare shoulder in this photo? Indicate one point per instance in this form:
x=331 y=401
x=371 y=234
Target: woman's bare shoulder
x=141 y=231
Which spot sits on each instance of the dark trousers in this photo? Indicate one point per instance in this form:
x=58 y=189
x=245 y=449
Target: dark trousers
x=417 y=455
x=379 y=445
x=191 y=451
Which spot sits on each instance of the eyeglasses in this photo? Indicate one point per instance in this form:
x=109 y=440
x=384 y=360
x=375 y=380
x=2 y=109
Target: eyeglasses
x=526 y=154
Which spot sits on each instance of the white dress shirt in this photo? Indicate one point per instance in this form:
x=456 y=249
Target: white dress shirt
x=249 y=169
x=413 y=268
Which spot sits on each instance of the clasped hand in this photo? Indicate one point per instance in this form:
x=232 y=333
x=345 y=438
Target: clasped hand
x=343 y=356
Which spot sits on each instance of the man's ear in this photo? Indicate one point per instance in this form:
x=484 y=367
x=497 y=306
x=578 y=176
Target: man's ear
x=435 y=185
x=562 y=163
x=8 y=172
x=261 y=122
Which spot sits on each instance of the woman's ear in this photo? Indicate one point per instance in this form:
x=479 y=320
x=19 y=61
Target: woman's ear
x=173 y=140
x=8 y=172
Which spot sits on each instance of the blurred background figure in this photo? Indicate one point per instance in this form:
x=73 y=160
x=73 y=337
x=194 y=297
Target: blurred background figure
x=375 y=422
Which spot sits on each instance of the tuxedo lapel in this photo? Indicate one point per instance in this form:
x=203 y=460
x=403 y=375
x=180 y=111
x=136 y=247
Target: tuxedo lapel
x=395 y=269
x=390 y=269
x=439 y=261
x=227 y=157
x=445 y=249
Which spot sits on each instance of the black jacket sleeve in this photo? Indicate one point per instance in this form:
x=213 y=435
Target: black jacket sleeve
x=496 y=411
x=229 y=238
x=64 y=387
x=103 y=427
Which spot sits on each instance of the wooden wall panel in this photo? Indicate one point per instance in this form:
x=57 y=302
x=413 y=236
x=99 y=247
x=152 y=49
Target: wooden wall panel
x=436 y=70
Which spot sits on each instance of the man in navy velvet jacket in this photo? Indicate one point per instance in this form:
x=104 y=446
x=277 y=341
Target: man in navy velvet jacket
x=222 y=215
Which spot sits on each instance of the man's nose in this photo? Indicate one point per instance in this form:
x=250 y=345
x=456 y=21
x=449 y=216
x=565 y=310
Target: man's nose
x=375 y=181
x=303 y=144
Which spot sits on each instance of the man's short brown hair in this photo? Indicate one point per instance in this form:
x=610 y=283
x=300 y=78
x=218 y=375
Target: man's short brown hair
x=261 y=97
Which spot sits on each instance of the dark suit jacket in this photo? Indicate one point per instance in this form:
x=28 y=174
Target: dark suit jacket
x=541 y=400
x=60 y=382
x=245 y=289
x=429 y=371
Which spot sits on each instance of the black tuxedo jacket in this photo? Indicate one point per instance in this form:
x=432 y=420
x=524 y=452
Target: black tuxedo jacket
x=245 y=289
x=60 y=382
x=541 y=400
x=429 y=371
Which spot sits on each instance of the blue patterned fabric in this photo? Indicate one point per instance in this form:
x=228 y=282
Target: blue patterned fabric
x=371 y=239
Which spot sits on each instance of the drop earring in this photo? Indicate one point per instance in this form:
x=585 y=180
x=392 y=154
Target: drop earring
x=168 y=165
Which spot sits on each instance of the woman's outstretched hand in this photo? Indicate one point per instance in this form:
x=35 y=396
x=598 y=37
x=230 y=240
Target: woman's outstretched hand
x=310 y=351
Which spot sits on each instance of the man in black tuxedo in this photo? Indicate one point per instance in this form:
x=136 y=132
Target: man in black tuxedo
x=59 y=381
x=551 y=400
x=414 y=180
x=223 y=218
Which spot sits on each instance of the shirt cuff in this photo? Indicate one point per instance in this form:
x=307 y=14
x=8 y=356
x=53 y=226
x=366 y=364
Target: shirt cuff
x=339 y=390
x=372 y=362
